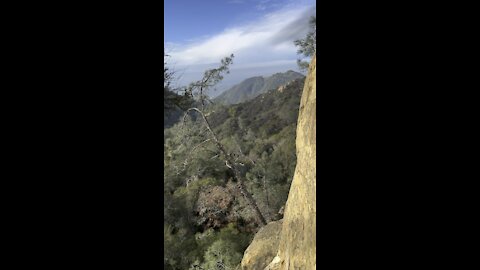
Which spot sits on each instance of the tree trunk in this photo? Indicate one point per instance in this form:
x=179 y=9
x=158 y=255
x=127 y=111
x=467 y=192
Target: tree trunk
x=236 y=175
x=251 y=201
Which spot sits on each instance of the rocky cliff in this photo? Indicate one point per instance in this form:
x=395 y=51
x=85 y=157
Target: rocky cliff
x=297 y=242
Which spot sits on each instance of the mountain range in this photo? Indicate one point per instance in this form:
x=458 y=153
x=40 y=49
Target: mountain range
x=254 y=86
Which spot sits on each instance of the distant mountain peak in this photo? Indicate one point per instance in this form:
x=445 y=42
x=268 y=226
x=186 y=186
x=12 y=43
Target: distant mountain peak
x=254 y=86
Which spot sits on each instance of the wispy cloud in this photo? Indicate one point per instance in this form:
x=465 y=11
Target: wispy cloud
x=261 y=47
x=270 y=38
x=262 y=5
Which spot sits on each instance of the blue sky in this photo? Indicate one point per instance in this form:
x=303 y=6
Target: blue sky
x=259 y=32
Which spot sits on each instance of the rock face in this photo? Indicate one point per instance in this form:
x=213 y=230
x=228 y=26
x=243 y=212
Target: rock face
x=297 y=245
x=266 y=240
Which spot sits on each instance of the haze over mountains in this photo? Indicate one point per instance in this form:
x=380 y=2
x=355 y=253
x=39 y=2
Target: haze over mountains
x=245 y=91
x=254 y=86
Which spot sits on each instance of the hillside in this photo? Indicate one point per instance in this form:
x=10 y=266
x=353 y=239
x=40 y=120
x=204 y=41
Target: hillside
x=255 y=86
x=291 y=243
x=172 y=107
x=206 y=221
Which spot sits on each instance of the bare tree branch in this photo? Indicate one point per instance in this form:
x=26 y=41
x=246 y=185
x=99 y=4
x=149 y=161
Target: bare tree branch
x=232 y=166
x=211 y=77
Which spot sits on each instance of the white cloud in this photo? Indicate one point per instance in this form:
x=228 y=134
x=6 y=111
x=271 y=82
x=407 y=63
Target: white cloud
x=270 y=38
x=261 y=47
x=263 y=4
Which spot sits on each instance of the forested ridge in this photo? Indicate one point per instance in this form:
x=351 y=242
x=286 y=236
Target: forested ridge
x=252 y=87
x=207 y=223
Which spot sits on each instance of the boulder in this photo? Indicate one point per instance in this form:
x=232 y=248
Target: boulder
x=263 y=248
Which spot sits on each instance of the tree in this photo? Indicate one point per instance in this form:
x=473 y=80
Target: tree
x=171 y=99
x=307 y=46
x=225 y=249
x=197 y=90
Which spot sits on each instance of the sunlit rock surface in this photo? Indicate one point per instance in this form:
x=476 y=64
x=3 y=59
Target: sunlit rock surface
x=297 y=243
x=259 y=255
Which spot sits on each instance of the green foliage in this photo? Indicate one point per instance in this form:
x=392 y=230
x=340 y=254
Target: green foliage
x=210 y=78
x=307 y=46
x=260 y=134
x=225 y=248
x=173 y=103
x=180 y=248
x=231 y=112
x=222 y=255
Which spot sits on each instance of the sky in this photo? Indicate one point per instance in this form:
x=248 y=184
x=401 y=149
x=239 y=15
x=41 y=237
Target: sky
x=260 y=33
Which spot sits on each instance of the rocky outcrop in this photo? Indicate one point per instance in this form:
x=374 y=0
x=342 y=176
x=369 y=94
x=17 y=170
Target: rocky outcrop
x=259 y=255
x=297 y=245
x=283 y=87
